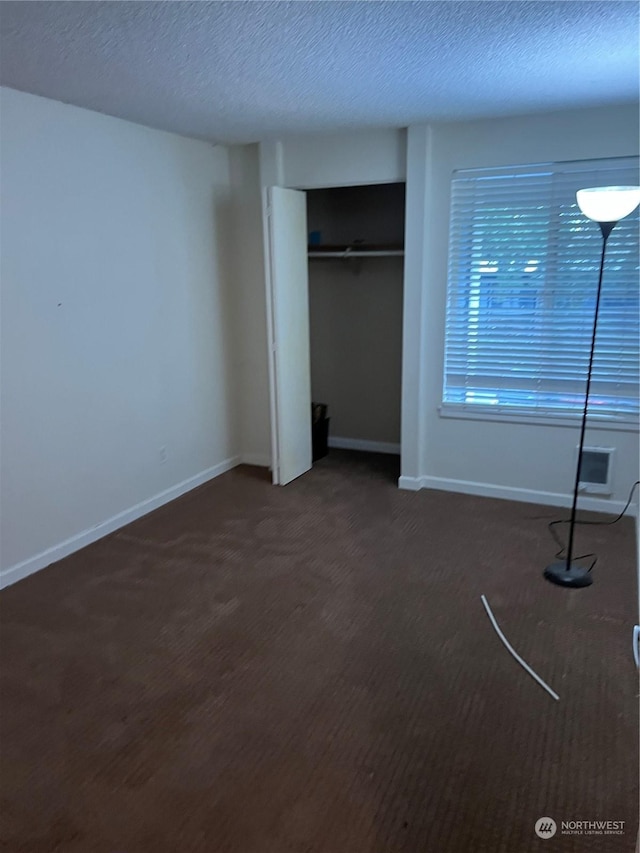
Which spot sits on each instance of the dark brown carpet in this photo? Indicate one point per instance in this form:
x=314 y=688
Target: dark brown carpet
x=261 y=670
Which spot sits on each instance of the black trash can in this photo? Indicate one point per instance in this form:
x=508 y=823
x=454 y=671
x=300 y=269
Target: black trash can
x=319 y=431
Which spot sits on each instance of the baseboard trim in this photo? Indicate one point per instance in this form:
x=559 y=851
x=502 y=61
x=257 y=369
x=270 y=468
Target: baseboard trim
x=261 y=460
x=509 y=493
x=361 y=444
x=410 y=484
x=51 y=555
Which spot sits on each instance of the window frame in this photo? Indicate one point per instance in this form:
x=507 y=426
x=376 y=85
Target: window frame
x=625 y=422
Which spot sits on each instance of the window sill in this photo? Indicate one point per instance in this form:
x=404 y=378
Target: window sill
x=464 y=414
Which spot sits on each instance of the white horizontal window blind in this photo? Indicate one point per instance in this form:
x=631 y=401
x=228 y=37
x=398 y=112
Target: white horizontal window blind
x=522 y=282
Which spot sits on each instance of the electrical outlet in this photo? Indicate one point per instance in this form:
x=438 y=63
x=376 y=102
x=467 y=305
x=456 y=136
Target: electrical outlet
x=163 y=455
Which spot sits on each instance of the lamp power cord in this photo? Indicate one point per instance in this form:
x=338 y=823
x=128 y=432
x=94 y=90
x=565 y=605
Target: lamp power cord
x=562 y=552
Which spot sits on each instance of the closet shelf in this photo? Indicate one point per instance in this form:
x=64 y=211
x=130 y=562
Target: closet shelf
x=356 y=252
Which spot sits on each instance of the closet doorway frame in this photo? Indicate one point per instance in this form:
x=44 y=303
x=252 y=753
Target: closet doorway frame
x=273 y=310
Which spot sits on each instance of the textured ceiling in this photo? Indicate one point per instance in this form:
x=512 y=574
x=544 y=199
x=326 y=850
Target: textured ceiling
x=244 y=71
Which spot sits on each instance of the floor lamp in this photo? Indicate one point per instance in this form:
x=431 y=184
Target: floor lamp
x=607 y=206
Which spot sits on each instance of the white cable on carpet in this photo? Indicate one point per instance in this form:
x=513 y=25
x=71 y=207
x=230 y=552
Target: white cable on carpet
x=514 y=653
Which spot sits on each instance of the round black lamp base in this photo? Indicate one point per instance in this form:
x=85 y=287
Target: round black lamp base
x=574 y=576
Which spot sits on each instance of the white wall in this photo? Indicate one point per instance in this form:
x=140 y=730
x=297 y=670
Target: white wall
x=115 y=335
x=518 y=460
x=356 y=345
x=333 y=160
x=251 y=377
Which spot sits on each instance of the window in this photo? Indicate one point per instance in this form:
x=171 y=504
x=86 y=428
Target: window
x=523 y=276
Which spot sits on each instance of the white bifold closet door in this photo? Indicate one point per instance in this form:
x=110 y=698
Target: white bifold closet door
x=288 y=309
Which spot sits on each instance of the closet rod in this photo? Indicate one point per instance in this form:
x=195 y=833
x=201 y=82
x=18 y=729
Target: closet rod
x=358 y=253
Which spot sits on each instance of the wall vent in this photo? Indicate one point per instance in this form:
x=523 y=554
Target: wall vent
x=596 y=471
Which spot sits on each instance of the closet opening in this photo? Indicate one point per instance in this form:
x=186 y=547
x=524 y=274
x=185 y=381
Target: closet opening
x=355 y=273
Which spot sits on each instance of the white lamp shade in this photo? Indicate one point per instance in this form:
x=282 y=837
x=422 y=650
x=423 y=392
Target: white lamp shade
x=608 y=204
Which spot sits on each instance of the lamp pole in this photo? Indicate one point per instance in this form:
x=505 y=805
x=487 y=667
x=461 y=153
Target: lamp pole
x=564 y=574
x=605 y=205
